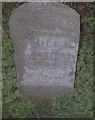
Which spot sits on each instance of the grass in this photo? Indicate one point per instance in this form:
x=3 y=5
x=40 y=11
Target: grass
x=75 y=105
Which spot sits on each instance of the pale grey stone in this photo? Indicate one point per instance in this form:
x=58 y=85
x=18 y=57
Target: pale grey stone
x=45 y=39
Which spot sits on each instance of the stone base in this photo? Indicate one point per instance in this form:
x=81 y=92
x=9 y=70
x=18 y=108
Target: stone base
x=44 y=92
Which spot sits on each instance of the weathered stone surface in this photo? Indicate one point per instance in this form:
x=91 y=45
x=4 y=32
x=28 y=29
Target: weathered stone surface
x=45 y=39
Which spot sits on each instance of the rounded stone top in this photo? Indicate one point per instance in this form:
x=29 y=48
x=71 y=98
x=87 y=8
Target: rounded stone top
x=32 y=17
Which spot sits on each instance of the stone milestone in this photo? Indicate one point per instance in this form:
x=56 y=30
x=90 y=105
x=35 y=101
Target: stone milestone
x=45 y=39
